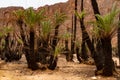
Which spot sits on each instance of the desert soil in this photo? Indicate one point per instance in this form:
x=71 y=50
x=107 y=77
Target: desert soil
x=66 y=71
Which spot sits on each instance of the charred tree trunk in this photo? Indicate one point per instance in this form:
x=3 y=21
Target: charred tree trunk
x=52 y=62
x=66 y=45
x=55 y=38
x=84 y=54
x=74 y=28
x=119 y=40
x=7 y=53
x=78 y=55
x=74 y=25
x=28 y=48
x=85 y=36
x=109 y=65
x=99 y=54
x=70 y=55
x=95 y=7
x=45 y=44
x=30 y=56
x=67 y=52
x=83 y=50
x=53 y=59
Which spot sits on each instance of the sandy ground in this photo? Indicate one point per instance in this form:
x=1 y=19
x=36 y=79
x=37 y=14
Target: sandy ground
x=65 y=71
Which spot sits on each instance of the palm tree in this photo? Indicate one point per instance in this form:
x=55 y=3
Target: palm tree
x=59 y=18
x=44 y=48
x=99 y=54
x=85 y=36
x=87 y=40
x=105 y=28
x=31 y=19
x=5 y=33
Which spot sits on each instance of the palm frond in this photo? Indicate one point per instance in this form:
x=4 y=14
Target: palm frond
x=107 y=24
x=59 y=18
x=46 y=28
x=31 y=18
x=58 y=50
x=80 y=15
x=66 y=35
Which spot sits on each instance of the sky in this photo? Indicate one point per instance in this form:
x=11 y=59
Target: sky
x=28 y=3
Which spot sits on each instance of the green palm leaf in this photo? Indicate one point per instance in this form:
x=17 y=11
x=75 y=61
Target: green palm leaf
x=46 y=28
x=31 y=18
x=59 y=18
x=107 y=25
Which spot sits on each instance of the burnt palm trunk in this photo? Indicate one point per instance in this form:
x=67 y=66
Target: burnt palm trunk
x=78 y=54
x=30 y=56
x=55 y=38
x=84 y=54
x=91 y=48
x=107 y=49
x=7 y=53
x=119 y=40
x=46 y=42
x=29 y=52
x=83 y=50
x=66 y=45
x=73 y=39
x=74 y=29
x=70 y=55
x=85 y=36
x=53 y=59
x=99 y=54
x=67 y=52
x=75 y=26
x=95 y=7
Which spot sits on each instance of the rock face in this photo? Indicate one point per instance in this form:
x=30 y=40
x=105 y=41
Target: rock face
x=6 y=14
x=68 y=8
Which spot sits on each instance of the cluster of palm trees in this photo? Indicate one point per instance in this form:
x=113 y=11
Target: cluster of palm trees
x=104 y=28
x=38 y=38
